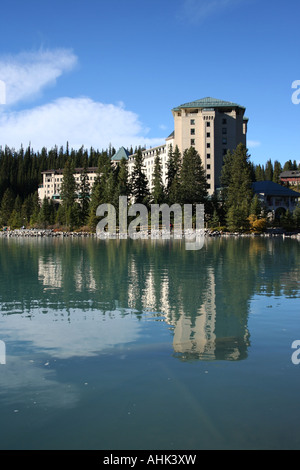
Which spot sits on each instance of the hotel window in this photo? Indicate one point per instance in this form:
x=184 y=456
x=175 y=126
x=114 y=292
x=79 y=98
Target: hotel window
x=207 y=134
x=208 y=145
x=224 y=140
x=224 y=151
x=208 y=186
x=208 y=124
x=224 y=121
x=192 y=141
x=192 y=122
x=208 y=155
x=208 y=176
x=192 y=131
x=208 y=166
x=224 y=130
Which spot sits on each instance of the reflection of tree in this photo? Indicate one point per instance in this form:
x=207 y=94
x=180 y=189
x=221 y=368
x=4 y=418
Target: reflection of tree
x=204 y=295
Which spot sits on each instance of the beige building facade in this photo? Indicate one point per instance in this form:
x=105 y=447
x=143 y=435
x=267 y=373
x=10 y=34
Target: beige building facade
x=52 y=182
x=210 y=125
x=213 y=127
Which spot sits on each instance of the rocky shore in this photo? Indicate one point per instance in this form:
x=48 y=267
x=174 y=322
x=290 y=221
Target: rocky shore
x=45 y=233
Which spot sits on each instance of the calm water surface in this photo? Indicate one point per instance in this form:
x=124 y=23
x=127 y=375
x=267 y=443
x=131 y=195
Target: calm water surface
x=144 y=345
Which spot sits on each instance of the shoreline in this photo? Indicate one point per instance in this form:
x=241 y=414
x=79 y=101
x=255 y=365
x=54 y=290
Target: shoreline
x=50 y=233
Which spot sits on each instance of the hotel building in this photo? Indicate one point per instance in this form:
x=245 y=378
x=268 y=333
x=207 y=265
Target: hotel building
x=209 y=125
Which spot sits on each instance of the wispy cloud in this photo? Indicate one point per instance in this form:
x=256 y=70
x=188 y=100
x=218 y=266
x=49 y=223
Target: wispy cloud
x=199 y=10
x=27 y=74
x=253 y=143
x=80 y=121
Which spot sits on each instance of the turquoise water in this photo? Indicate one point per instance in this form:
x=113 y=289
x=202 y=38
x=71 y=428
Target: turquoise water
x=145 y=345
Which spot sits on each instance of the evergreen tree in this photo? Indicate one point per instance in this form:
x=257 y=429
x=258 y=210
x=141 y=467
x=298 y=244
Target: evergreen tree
x=277 y=171
x=239 y=192
x=99 y=192
x=96 y=200
x=269 y=171
x=255 y=207
x=226 y=170
x=288 y=166
x=45 y=213
x=84 y=194
x=173 y=175
x=68 y=195
x=296 y=217
x=193 y=183
x=158 y=192
x=7 y=206
x=15 y=220
x=215 y=219
x=35 y=209
x=139 y=182
x=68 y=186
x=259 y=173
x=123 y=185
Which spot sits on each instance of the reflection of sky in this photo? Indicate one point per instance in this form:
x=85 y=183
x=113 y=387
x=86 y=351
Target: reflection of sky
x=38 y=383
x=65 y=335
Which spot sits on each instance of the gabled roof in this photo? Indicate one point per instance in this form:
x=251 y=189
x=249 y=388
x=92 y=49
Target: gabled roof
x=273 y=189
x=208 y=102
x=121 y=153
x=290 y=174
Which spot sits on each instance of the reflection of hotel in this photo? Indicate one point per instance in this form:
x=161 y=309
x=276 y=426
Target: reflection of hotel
x=202 y=336
x=205 y=336
x=209 y=125
x=208 y=332
x=50 y=273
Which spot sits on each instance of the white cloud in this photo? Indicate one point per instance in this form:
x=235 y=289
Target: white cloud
x=27 y=74
x=80 y=121
x=253 y=143
x=198 y=10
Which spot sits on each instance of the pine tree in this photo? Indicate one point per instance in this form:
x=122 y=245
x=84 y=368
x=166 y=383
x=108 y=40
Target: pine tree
x=96 y=200
x=193 y=183
x=84 y=195
x=158 y=192
x=173 y=175
x=296 y=217
x=255 y=207
x=239 y=192
x=139 y=183
x=45 y=213
x=277 y=171
x=68 y=187
x=68 y=195
x=123 y=185
x=269 y=171
x=259 y=173
x=7 y=206
x=35 y=209
x=226 y=170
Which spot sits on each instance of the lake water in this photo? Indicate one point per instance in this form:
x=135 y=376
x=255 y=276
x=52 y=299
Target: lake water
x=145 y=345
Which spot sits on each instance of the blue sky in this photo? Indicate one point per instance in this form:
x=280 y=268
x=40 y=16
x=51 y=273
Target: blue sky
x=96 y=72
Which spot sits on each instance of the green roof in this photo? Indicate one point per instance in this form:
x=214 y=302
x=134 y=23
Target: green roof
x=121 y=153
x=208 y=103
